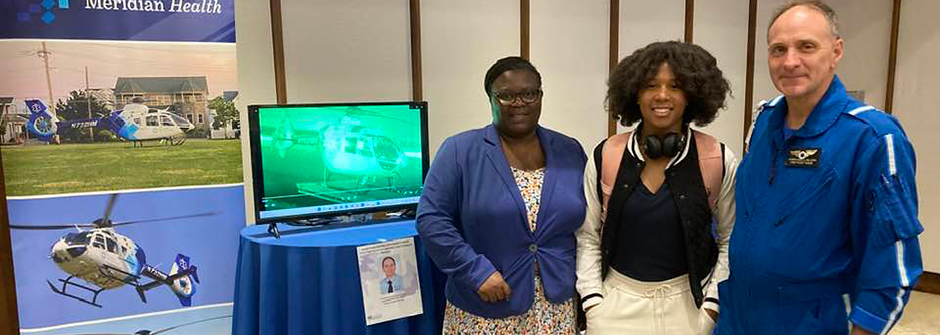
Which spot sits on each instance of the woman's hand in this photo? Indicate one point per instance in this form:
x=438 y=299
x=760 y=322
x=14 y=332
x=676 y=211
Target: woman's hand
x=712 y=314
x=494 y=288
x=706 y=321
x=589 y=308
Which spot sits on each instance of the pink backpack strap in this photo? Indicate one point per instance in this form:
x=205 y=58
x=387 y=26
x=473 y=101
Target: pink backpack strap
x=611 y=155
x=711 y=162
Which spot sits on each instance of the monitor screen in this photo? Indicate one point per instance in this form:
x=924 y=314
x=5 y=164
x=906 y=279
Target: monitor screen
x=318 y=160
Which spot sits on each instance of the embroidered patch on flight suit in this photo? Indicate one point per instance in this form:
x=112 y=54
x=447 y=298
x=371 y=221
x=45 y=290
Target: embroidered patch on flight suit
x=804 y=157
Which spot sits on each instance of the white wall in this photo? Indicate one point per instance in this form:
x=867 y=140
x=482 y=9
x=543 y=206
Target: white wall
x=569 y=46
x=255 y=73
x=915 y=103
x=645 y=22
x=460 y=40
x=721 y=28
x=351 y=50
x=866 y=29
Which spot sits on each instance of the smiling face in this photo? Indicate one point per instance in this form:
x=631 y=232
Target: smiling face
x=662 y=103
x=516 y=119
x=388 y=266
x=802 y=54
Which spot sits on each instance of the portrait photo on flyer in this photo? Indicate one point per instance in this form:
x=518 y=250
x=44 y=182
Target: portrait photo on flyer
x=388 y=274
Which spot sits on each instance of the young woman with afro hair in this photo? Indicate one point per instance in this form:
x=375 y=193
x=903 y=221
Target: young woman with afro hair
x=654 y=242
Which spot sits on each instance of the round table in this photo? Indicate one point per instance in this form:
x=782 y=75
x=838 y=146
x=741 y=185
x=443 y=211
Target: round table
x=307 y=282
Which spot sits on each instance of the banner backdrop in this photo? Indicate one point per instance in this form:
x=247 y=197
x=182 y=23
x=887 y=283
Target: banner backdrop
x=121 y=20
x=122 y=163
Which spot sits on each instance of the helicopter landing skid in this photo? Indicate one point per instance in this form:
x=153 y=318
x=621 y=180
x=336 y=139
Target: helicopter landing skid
x=173 y=141
x=166 y=141
x=129 y=279
x=67 y=282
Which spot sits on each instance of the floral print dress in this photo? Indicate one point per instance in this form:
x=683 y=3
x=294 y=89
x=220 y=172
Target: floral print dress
x=544 y=317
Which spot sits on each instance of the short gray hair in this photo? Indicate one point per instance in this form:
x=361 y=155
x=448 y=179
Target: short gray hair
x=816 y=5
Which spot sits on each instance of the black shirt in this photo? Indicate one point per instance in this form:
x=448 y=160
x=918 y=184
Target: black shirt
x=650 y=244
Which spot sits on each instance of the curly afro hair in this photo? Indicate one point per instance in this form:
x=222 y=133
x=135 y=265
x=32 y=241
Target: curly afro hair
x=695 y=69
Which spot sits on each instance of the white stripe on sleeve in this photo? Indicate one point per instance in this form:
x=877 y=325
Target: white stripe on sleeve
x=905 y=282
x=892 y=167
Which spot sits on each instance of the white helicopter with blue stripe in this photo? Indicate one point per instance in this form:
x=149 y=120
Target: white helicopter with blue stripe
x=107 y=260
x=135 y=122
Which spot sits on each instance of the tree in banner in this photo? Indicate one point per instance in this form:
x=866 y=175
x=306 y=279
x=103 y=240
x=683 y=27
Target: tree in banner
x=225 y=111
x=75 y=107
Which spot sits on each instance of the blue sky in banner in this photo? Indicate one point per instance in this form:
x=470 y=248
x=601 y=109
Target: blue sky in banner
x=211 y=242
x=137 y=20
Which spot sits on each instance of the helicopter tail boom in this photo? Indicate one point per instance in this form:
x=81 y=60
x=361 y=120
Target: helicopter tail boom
x=179 y=280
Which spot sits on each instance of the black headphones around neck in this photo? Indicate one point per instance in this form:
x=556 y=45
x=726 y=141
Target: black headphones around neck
x=656 y=146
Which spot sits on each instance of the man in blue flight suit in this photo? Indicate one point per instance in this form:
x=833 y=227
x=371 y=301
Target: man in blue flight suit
x=826 y=235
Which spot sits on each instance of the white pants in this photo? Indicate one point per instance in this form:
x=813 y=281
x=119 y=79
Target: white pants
x=635 y=307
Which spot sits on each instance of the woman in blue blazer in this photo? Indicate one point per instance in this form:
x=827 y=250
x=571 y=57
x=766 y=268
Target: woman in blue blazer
x=498 y=214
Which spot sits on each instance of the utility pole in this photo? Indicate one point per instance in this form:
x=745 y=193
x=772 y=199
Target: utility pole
x=44 y=54
x=91 y=130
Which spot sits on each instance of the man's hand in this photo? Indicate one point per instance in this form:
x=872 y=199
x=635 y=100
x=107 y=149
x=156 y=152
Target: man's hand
x=494 y=288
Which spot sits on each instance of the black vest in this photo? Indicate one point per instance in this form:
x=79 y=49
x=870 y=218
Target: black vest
x=688 y=191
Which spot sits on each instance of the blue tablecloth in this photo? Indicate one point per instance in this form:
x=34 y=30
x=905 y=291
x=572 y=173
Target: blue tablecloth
x=307 y=282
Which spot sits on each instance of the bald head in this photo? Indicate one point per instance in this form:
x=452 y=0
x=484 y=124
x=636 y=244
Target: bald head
x=832 y=19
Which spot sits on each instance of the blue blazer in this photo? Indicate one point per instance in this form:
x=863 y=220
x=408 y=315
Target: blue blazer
x=473 y=221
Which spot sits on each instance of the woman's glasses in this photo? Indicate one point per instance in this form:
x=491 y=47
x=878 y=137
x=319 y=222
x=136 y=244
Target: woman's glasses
x=527 y=97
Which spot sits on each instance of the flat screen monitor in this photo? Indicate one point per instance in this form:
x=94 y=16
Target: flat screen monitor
x=324 y=160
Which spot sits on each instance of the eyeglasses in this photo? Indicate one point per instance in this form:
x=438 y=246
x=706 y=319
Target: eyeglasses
x=527 y=97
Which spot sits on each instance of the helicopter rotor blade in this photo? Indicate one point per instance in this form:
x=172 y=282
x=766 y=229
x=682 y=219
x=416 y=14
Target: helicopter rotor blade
x=51 y=227
x=109 y=208
x=91 y=225
x=164 y=218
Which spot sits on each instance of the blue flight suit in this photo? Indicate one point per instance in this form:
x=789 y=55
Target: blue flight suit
x=826 y=231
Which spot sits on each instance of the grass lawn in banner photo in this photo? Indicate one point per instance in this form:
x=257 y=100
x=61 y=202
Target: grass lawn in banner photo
x=71 y=168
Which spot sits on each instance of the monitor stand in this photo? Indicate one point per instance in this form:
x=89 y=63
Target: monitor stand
x=343 y=219
x=311 y=222
x=272 y=229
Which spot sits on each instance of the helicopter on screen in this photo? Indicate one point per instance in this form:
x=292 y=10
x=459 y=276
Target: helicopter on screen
x=107 y=260
x=355 y=156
